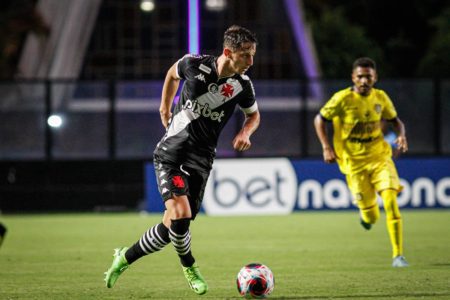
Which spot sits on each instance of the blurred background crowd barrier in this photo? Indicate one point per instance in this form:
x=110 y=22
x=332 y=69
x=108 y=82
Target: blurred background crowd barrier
x=112 y=119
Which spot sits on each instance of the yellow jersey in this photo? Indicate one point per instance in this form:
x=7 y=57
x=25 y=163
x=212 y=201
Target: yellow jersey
x=358 y=138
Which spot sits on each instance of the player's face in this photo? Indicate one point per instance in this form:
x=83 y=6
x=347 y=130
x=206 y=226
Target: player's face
x=242 y=59
x=364 y=78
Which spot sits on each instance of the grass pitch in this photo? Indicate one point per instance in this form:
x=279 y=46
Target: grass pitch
x=314 y=255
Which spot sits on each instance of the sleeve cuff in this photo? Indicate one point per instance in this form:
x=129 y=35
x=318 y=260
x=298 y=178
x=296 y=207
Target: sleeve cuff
x=250 y=109
x=323 y=118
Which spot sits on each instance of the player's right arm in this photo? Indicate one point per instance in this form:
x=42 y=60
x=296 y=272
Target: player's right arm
x=170 y=87
x=329 y=156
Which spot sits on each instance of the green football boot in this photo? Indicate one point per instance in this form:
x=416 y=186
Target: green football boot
x=118 y=265
x=195 y=279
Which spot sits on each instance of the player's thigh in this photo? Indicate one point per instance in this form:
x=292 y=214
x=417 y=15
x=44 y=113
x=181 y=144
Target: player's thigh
x=362 y=190
x=171 y=180
x=384 y=176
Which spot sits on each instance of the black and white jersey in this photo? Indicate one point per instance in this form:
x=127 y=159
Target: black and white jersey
x=205 y=105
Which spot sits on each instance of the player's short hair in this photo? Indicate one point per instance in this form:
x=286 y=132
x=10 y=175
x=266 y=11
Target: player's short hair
x=364 y=62
x=235 y=36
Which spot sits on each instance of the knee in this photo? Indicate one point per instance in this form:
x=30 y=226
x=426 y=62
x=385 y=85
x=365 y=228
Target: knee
x=370 y=215
x=176 y=213
x=390 y=205
x=392 y=214
x=178 y=208
x=180 y=214
x=368 y=206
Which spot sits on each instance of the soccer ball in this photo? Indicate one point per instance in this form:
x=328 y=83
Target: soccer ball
x=255 y=281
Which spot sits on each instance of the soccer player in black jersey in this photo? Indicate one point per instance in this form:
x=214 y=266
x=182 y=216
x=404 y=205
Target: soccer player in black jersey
x=212 y=88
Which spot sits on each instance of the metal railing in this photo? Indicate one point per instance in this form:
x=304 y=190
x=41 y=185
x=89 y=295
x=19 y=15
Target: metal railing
x=114 y=120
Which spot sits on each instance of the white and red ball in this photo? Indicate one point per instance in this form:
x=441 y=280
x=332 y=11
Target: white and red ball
x=255 y=281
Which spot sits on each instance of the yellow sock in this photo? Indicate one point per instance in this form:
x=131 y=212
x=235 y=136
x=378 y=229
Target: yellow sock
x=393 y=221
x=395 y=234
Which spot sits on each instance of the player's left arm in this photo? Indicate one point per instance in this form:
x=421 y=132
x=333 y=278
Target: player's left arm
x=242 y=140
x=389 y=113
x=399 y=128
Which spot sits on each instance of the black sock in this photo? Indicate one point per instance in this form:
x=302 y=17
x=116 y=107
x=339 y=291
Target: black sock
x=2 y=230
x=2 y=233
x=181 y=239
x=153 y=240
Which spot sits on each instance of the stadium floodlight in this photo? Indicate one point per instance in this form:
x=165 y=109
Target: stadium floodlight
x=55 y=121
x=216 y=5
x=147 y=5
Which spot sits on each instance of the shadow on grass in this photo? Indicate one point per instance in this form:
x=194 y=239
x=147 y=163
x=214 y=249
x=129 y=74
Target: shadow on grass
x=441 y=265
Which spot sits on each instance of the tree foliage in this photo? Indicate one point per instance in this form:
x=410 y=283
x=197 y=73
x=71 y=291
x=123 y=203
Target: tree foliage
x=398 y=35
x=436 y=61
x=338 y=43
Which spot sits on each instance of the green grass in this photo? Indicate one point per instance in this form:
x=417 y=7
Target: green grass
x=320 y=255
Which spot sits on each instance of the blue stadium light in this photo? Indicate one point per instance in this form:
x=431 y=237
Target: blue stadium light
x=194 y=27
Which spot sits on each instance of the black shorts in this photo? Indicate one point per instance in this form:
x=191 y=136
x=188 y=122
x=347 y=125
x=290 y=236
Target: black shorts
x=181 y=180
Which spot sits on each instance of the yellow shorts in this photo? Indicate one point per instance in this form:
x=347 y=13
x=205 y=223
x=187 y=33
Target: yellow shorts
x=375 y=177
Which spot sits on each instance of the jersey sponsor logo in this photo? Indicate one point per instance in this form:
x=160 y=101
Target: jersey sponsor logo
x=178 y=181
x=201 y=77
x=205 y=69
x=203 y=110
x=362 y=128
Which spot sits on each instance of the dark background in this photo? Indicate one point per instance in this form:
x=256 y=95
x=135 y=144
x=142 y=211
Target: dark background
x=407 y=38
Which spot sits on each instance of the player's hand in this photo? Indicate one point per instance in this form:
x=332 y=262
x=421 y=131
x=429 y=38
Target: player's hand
x=241 y=142
x=329 y=156
x=402 y=143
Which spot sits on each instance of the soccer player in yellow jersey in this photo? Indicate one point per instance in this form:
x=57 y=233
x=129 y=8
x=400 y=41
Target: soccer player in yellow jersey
x=361 y=152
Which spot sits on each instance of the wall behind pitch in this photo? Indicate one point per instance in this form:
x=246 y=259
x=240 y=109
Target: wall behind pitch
x=75 y=185
x=280 y=186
